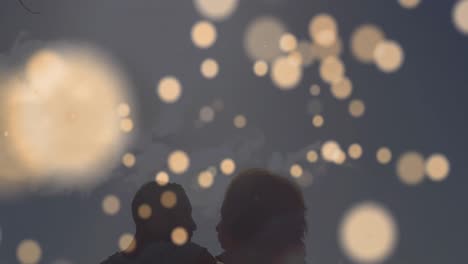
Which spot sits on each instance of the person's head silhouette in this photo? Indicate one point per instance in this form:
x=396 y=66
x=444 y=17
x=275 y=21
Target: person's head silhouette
x=164 y=227
x=262 y=220
x=157 y=210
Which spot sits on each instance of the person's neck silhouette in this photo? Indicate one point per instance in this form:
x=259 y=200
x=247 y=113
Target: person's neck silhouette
x=164 y=227
x=262 y=220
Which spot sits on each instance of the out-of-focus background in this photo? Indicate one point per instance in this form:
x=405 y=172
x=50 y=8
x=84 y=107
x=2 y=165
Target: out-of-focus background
x=362 y=103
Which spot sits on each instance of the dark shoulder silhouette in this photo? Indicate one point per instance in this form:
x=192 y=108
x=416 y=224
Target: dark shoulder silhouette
x=262 y=220
x=164 y=227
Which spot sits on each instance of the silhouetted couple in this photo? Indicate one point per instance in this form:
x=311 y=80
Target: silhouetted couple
x=262 y=221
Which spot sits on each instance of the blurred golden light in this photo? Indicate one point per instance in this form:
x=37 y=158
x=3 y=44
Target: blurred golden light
x=332 y=70
x=318 y=121
x=111 y=205
x=288 y=42
x=205 y=179
x=314 y=90
x=364 y=41
x=28 y=252
x=207 y=114
x=204 y=34
x=209 y=68
x=127 y=242
x=355 y=151
x=323 y=30
x=227 y=166
x=179 y=236
x=260 y=68
x=368 y=233
x=216 y=9
x=331 y=151
x=262 y=37
x=240 y=121
x=342 y=90
x=357 y=108
x=410 y=168
x=296 y=170
x=388 y=56
x=69 y=96
x=384 y=155
x=144 y=211
x=460 y=16
x=286 y=73
x=168 y=199
x=312 y=156
x=126 y=125
x=162 y=178
x=169 y=89
x=409 y=4
x=437 y=167
x=123 y=110
x=128 y=160
x=178 y=162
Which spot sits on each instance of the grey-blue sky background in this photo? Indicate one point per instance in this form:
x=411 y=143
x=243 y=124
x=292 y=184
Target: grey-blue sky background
x=421 y=107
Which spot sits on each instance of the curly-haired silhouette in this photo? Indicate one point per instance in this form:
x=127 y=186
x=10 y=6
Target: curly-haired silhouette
x=262 y=220
x=157 y=211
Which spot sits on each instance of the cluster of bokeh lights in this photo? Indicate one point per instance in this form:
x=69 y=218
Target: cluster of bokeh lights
x=36 y=97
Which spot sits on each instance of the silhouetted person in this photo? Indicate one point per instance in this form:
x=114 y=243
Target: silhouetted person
x=157 y=211
x=262 y=220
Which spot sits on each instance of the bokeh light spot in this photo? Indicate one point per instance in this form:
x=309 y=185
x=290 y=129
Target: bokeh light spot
x=207 y=114
x=262 y=37
x=227 y=166
x=179 y=236
x=384 y=155
x=318 y=120
x=260 y=68
x=168 y=199
x=217 y=10
x=410 y=168
x=288 y=42
x=144 y=211
x=437 y=167
x=342 y=90
x=111 y=205
x=286 y=73
x=364 y=40
x=409 y=4
x=128 y=160
x=357 y=108
x=460 y=16
x=204 y=34
x=178 y=162
x=314 y=90
x=296 y=170
x=368 y=233
x=332 y=70
x=205 y=179
x=388 y=56
x=209 y=68
x=29 y=252
x=312 y=156
x=169 y=89
x=355 y=151
x=162 y=178
x=127 y=243
x=240 y=121
x=323 y=30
